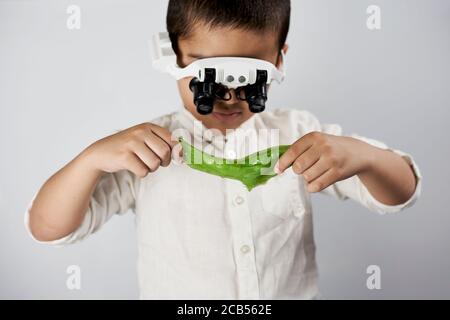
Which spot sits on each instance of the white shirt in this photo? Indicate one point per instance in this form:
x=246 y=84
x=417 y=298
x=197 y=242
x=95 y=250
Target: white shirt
x=205 y=237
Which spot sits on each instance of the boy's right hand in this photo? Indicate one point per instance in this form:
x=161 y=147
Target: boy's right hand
x=140 y=149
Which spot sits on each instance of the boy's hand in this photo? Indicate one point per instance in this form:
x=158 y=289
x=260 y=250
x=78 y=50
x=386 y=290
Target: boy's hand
x=140 y=149
x=323 y=159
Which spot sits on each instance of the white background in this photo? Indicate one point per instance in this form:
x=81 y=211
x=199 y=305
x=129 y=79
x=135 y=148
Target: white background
x=60 y=90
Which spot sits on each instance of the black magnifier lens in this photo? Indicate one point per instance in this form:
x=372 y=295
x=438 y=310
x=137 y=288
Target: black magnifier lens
x=204 y=92
x=256 y=94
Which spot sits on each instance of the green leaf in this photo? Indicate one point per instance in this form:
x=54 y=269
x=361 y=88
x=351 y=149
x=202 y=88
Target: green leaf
x=252 y=170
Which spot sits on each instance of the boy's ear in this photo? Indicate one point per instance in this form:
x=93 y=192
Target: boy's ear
x=280 y=60
x=285 y=48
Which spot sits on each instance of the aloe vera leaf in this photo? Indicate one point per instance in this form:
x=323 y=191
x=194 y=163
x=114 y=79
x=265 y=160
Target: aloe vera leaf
x=252 y=170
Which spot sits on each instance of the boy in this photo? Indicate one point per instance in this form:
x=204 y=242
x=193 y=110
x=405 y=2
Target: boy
x=200 y=236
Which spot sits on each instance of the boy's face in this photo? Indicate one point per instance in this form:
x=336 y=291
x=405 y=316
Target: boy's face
x=224 y=42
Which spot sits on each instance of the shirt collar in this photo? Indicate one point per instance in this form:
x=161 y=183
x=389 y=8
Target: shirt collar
x=205 y=136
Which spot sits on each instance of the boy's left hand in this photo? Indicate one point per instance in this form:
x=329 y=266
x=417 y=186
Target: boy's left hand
x=323 y=159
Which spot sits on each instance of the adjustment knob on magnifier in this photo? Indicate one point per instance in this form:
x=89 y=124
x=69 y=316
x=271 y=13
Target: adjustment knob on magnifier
x=204 y=92
x=256 y=94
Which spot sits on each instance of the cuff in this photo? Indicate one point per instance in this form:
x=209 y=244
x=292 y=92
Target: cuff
x=381 y=208
x=56 y=243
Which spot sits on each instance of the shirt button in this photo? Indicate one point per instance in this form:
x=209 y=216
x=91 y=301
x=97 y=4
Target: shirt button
x=245 y=249
x=239 y=200
x=231 y=154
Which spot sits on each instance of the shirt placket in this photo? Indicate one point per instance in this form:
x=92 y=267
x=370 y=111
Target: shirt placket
x=241 y=227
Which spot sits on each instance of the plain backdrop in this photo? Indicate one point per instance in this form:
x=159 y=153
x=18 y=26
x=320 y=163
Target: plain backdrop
x=62 y=89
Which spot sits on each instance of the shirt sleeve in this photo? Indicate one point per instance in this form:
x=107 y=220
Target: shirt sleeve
x=115 y=193
x=353 y=187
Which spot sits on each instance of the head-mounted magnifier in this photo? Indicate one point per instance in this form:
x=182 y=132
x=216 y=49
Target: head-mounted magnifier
x=214 y=77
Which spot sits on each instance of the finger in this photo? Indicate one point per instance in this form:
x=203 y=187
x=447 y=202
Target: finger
x=315 y=170
x=135 y=165
x=324 y=181
x=161 y=149
x=165 y=135
x=300 y=146
x=147 y=156
x=306 y=160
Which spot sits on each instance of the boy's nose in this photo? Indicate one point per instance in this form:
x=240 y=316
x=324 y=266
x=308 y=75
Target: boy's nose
x=233 y=97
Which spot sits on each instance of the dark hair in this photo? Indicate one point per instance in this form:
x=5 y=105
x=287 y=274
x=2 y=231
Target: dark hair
x=259 y=15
